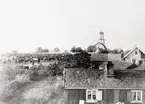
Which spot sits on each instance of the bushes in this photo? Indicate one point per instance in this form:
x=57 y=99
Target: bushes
x=12 y=90
x=41 y=71
x=10 y=72
x=79 y=59
x=45 y=90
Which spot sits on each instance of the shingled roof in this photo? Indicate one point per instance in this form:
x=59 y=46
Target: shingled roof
x=121 y=65
x=118 y=64
x=140 y=67
x=105 y=57
x=99 y=57
x=76 y=78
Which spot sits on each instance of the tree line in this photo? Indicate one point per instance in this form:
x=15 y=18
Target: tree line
x=40 y=50
x=39 y=53
x=92 y=48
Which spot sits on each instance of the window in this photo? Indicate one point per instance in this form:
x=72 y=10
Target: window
x=93 y=96
x=136 y=96
x=135 y=52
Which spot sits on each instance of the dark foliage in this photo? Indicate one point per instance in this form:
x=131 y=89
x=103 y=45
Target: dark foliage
x=116 y=51
x=82 y=59
x=103 y=51
x=40 y=71
x=78 y=49
x=77 y=60
x=91 y=48
x=56 y=50
x=40 y=50
x=73 y=49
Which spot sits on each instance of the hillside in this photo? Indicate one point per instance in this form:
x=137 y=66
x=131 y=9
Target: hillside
x=17 y=88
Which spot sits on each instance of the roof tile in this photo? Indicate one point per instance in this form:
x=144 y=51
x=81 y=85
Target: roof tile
x=93 y=78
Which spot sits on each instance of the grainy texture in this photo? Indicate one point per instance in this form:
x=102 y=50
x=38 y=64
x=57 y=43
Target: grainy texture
x=93 y=78
x=121 y=65
x=109 y=96
x=99 y=57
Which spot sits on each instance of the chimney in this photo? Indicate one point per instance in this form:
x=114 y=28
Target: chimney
x=109 y=71
x=102 y=40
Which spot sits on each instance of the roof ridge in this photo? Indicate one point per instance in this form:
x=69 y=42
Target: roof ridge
x=130 y=51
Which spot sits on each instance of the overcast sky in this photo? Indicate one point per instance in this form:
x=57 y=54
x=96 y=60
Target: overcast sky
x=28 y=24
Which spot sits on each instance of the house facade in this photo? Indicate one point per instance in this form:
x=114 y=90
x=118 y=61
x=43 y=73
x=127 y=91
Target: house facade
x=113 y=82
x=136 y=56
x=95 y=86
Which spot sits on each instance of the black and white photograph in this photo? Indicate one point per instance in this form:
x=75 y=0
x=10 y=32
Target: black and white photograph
x=72 y=51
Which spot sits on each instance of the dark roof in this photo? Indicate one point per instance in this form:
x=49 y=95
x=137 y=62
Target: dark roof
x=76 y=78
x=99 y=57
x=105 y=57
x=118 y=64
x=136 y=67
x=140 y=67
x=116 y=60
x=121 y=65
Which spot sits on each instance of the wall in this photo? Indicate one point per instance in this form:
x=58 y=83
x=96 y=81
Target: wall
x=114 y=57
x=134 y=56
x=109 y=96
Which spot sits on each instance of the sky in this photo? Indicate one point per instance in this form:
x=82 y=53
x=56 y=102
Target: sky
x=28 y=24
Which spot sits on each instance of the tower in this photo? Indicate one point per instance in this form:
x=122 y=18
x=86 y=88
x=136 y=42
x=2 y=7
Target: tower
x=102 y=40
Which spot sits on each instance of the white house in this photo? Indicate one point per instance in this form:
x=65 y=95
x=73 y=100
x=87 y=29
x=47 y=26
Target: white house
x=136 y=56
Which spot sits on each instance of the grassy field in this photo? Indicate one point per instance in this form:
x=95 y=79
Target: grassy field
x=17 y=88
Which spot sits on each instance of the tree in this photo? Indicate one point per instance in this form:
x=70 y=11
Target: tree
x=78 y=49
x=82 y=59
x=120 y=51
x=39 y=50
x=91 y=48
x=115 y=51
x=45 y=50
x=73 y=49
x=56 y=49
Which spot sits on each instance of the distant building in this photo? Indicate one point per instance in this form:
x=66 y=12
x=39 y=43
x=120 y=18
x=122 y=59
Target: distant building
x=101 y=48
x=102 y=39
x=136 y=56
